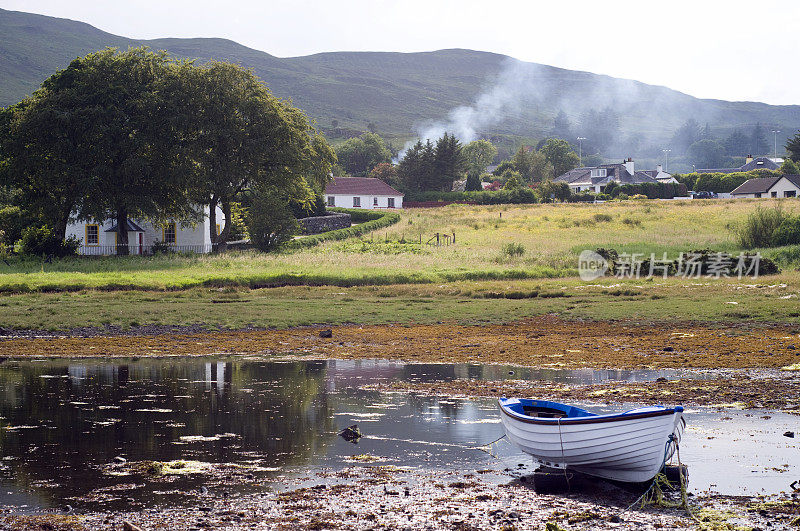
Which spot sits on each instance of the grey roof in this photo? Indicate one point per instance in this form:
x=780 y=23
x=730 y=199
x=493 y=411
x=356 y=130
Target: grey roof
x=758 y=163
x=645 y=177
x=756 y=186
x=615 y=172
x=132 y=227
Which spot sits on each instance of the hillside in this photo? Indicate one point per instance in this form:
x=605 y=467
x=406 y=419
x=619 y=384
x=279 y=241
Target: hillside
x=396 y=91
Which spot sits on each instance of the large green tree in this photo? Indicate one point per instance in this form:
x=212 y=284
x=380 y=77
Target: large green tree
x=358 y=156
x=240 y=137
x=450 y=163
x=559 y=154
x=103 y=139
x=479 y=154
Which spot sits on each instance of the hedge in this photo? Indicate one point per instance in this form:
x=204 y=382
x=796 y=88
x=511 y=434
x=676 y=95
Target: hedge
x=652 y=190
x=371 y=220
x=721 y=182
x=483 y=197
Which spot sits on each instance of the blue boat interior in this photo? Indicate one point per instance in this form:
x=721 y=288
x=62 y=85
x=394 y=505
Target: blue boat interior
x=545 y=409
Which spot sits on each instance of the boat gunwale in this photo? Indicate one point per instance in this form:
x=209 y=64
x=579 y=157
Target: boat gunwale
x=594 y=419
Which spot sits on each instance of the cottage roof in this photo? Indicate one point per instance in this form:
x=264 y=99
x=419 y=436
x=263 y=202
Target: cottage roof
x=359 y=186
x=132 y=227
x=758 y=163
x=756 y=186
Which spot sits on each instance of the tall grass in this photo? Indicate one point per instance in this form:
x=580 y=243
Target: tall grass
x=758 y=228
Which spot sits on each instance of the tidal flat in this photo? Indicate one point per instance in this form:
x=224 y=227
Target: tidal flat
x=251 y=441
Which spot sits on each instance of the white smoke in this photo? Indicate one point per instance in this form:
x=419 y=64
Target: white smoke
x=493 y=105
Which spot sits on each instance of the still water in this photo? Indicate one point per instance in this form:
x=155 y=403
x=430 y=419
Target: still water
x=63 y=424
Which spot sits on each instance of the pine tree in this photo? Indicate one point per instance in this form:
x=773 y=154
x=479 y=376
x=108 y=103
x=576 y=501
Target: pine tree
x=793 y=147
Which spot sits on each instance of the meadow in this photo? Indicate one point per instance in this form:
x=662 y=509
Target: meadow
x=508 y=262
x=491 y=243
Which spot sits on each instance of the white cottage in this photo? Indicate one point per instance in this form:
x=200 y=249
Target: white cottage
x=100 y=238
x=783 y=186
x=361 y=192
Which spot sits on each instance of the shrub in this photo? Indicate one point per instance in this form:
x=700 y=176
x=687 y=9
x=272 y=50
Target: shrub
x=787 y=233
x=602 y=217
x=759 y=227
x=623 y=197
x=639 y=197
x=513 y=249
x=270 y=222
x=160 y=247
x=13 y=220
x=42 y=241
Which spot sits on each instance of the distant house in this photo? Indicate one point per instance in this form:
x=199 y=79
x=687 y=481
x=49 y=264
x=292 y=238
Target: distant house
x=750 y=164
x=361 y=192
x=596 y=178
x=100 y=237
x=783 y=186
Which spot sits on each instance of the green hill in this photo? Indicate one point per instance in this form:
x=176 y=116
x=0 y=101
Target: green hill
x=398 y=91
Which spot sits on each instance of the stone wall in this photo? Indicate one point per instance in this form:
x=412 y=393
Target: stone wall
x=320 y=224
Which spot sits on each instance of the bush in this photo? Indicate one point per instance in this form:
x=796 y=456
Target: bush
x=42 y=241
x=513 y=249
x=13 y=220
x=602 y=217
x=759 y=227
x=639 y=197
x=787 y=233
x=623 y=197
x=270 y=222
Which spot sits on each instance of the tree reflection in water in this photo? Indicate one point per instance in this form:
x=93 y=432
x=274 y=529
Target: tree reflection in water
x=61 y=421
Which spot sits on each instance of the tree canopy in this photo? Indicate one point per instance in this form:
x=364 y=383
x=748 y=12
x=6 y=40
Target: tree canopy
x=138 y=134
x=358 y=156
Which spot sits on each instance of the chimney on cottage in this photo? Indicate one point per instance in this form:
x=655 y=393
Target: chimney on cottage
x=629 y=165
x=749 y=159
x=659 y=169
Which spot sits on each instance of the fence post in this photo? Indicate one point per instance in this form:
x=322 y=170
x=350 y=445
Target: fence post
x=454 y=237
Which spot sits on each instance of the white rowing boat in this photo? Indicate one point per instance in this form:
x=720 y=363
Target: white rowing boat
x=631 y=446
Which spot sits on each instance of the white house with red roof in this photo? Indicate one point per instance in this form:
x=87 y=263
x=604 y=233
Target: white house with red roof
x=361 y=192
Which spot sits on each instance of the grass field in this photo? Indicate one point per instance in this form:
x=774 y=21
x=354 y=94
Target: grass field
x=373 y=280
x=551 y=235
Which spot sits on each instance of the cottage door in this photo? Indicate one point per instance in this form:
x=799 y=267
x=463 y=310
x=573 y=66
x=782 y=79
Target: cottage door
x=141 y=242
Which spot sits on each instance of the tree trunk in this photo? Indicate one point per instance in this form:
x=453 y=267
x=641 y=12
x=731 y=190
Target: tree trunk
x=60 y=227
x=212 y=221
x=222 y=239
x=122 y=232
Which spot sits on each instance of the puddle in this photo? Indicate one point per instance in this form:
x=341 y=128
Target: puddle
x=86 y=433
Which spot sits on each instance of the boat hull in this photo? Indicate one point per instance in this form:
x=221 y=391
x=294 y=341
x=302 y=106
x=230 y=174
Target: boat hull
x=630 y=447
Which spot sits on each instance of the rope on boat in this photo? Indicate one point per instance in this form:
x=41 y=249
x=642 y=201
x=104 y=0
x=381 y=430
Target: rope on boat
x=661 y=478
x=488 y=446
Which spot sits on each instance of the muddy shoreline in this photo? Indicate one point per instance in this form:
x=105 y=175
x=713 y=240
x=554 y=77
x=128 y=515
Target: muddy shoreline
x=385 y=497
x=545 y=341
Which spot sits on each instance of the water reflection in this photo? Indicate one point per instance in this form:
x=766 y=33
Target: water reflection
x=63 y=423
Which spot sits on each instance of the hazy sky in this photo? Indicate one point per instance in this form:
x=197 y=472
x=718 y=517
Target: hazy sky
x=730 y=49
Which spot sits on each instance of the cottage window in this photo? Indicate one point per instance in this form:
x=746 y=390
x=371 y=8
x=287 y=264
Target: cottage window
x=331 y=201
x=356 y=202
x=92 y=235
x=757 y=195
x=790 y=193
x=391 y=202
x=774 y=194
x=374 y=201
x=599 y=172
x=168 y=233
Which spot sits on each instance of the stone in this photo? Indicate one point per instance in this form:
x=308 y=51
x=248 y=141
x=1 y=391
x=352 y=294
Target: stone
x=326 y=333
x=789 y=434
x=127 y=526
x=120 y=459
